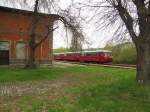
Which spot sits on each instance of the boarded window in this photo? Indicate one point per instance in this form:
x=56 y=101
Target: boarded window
x=4 y=45
x=21 y=50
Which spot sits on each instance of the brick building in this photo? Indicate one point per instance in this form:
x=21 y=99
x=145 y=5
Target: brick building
x=15 y=27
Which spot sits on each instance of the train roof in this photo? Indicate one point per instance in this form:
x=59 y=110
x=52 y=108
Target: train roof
x=72 y=52
x=83 y=52
x=66 y=53
x=58 y=53
x=97 y=51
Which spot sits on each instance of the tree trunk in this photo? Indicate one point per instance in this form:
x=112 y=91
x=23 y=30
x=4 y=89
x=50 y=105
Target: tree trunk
x=31 y=62
x=32 y=45
x=143 y=62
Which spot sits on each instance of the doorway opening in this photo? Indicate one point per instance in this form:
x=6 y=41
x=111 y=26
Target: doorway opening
x=4 y=53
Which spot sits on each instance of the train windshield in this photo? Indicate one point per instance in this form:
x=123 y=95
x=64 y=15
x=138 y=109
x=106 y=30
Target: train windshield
x=109 y=54
x=105 y=53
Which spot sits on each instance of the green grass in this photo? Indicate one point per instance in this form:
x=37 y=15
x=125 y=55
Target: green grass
x=86 y=89
x=13 y=75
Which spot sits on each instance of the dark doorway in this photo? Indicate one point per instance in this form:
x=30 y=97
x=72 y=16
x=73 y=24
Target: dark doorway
x=4 y=57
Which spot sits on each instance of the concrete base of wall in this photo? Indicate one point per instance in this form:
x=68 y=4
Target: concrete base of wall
x=22 y=63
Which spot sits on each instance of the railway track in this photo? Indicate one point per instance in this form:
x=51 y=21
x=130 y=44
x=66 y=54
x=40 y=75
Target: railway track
x=111 y=65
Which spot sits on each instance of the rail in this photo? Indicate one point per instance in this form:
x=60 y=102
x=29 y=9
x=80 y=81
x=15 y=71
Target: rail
x=111 y=65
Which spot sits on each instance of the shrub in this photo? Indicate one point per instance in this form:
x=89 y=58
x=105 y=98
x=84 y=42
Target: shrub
x=124 y=53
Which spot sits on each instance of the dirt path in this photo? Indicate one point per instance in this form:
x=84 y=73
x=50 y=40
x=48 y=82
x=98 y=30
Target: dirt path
x=13 y=89
x=36 y=87
x=12 y=93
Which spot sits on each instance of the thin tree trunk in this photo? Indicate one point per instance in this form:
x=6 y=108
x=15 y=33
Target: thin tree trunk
x=143 y=63
x=32 y=45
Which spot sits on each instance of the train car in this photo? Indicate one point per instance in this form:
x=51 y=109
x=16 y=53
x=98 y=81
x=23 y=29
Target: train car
x=67 y=56
x=59 y=56
x=71 y=56
x=100 y=56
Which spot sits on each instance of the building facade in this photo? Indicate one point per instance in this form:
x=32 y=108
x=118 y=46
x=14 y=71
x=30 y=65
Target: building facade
x=15 y=30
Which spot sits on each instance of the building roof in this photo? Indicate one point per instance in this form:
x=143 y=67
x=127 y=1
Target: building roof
x=27 y=12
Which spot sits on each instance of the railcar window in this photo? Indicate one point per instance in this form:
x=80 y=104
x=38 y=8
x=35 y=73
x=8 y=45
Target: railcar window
x=77 y=54
x=91 y=54
x=82 y=54
x=68 y=54
x=101 y=53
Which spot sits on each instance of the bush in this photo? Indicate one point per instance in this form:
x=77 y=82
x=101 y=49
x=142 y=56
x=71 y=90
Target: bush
x=124 y=53
x=61 y=50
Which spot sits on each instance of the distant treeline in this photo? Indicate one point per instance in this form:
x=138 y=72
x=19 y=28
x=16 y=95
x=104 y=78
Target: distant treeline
x=62 y=49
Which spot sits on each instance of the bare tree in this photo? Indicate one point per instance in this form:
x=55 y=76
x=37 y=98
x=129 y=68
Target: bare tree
x=33 y=37
x=62 y=15
x=76 y=44
x=130 y=18
x=73 y=22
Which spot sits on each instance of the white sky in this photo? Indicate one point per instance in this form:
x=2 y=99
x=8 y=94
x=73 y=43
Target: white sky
x=98 y=39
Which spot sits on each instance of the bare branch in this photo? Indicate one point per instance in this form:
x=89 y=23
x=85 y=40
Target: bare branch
x=142 y=14
x=34 y=24
x=127 y=19
x=49 y=30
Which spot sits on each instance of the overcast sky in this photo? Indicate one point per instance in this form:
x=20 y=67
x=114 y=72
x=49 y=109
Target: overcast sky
x=97 y=39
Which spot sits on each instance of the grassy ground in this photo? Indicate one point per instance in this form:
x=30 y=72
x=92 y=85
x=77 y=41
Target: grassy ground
x=72 y=89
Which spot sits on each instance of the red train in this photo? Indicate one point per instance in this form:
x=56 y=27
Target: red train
x=100 y=56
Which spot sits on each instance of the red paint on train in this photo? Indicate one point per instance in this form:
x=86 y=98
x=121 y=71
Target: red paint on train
x=101 y=56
